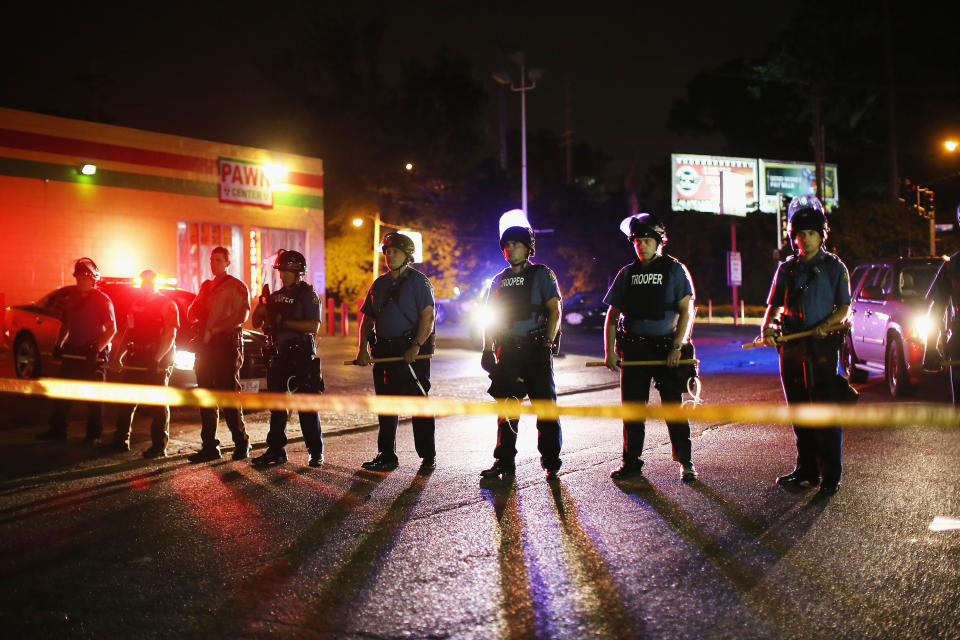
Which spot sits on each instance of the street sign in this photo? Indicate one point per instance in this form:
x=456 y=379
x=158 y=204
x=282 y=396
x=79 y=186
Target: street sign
x=734 y=269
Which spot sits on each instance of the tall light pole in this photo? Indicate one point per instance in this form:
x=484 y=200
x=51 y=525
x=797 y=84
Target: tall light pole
x=504 y=78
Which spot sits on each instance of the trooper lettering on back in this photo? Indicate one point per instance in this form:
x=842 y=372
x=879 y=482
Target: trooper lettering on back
x=516 y=281
x=647 y=278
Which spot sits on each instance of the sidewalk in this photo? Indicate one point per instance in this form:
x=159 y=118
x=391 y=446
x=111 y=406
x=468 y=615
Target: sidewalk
x=457 y=374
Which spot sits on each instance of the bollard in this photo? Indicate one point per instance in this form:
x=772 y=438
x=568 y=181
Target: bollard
x=344 y=320
x=709 y=310
x=331 y=316
x=742 y=312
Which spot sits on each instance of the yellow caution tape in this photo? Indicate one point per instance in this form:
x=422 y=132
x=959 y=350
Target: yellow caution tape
x=807 y=415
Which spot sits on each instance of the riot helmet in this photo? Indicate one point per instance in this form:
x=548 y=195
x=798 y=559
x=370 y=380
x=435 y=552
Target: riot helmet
x=644 y=225
x=86 y=267
x=290 y=261
x=522 y=235
x=399 y=241
x=806 y=213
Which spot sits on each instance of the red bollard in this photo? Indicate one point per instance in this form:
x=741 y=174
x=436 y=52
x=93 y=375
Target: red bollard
x=331 y=316
x=344 y=320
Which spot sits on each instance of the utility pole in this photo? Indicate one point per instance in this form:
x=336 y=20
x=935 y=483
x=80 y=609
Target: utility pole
x=567 y=136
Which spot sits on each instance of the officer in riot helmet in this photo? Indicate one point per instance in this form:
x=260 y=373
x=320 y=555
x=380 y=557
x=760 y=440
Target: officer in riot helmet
x=291 y=319
x=83 y=346
x=650 y=318
x=944 y=344
x=524 y=299
x=398 y=321
x=145 y=353
x=810 y=291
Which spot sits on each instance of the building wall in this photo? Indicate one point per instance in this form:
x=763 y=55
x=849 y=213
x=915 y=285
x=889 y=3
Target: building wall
x=125 y=216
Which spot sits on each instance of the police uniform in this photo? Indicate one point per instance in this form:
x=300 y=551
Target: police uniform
x=219 y=360
x=86 y=316
x=647 y=295
x=809 y=291
x=149 y=317
x=395 y=305
x=948 y=289
x=524 y=358
x=293 y=366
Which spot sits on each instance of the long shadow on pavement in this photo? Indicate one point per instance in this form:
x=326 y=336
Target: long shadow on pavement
x=773 y=610
x=516 y=602
x=609 y=617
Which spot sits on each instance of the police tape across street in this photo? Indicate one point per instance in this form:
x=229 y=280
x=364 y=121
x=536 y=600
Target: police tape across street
x=809 y=415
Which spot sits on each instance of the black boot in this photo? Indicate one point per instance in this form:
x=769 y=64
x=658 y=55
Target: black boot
x=500 y=468
x=272 y=456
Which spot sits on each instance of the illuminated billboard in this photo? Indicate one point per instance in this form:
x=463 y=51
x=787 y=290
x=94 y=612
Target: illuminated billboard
x=713 y=184
x=794 y=179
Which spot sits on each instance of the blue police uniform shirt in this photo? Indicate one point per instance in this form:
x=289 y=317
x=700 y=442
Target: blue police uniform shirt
x=827 y=285
x=678 y=286
x=543 y=288
x=395 y=303
x=87 y=315
x=298 y=302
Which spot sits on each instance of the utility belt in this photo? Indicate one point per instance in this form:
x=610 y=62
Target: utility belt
x=626 y=339
x=141 y=355
x=228 y=338
x=89 y=352
x=397 y=346
x=299 y=365
x=532 y=346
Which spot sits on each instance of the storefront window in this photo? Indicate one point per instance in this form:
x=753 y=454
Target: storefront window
x=263 y=245
x=195 y=241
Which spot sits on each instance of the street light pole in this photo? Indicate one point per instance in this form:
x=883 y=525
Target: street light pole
x=504 y=78
x=376 y=245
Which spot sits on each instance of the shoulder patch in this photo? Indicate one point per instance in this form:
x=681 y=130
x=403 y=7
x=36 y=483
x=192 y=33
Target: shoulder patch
x=315 y=299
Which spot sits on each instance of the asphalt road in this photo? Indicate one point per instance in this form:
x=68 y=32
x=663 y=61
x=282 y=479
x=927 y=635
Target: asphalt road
x=145 y=549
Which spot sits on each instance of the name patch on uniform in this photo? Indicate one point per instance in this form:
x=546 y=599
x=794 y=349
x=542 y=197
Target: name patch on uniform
x=647 y=278
x=516 y=281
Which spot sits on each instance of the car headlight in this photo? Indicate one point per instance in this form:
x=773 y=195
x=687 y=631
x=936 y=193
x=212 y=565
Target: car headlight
x=574 y=318
x=922 y=325
x=184 y=360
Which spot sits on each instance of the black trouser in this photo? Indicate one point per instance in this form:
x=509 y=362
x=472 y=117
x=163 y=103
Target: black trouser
x=635 y=387
x=807 y=368
x=159 y=414
x=952 y=350
x=281 y=376
x=395 y=379
x=537 y=384
x=218 y=367
x=76 y=369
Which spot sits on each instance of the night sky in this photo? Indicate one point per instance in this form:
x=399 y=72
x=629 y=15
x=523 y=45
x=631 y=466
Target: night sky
x=200 y=70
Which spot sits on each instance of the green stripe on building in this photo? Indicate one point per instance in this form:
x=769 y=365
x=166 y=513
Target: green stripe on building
x=19 y=168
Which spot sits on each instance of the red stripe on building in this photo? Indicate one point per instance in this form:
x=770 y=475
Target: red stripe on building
x=87 y=150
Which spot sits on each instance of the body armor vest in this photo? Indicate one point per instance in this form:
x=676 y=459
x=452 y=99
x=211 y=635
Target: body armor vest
x=647 y=290
x=148 y=322
x=514 y=294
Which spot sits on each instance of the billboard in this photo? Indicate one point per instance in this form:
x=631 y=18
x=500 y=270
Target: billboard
x=713 y=184
x=794 y=179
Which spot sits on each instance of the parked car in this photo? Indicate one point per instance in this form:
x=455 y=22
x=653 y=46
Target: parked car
x=31 y=329
x=890 y=321
x=584 y=311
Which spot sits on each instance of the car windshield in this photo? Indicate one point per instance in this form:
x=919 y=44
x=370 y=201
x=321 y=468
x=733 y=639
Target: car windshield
x=915 y=279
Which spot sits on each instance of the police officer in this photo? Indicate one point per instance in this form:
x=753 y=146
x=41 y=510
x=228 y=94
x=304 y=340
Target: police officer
x=810 y=290
x=398 y=321
x=217 y=315
x=146 y=357
x=946 y=291
x=291 y=317
x=83 y=343
x=650 y=317
x=518 y=351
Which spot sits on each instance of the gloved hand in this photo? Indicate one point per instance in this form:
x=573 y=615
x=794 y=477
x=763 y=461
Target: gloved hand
x=488 y=361
x=57 y=352
x=92 y=353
